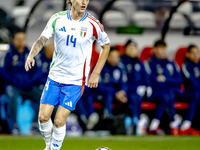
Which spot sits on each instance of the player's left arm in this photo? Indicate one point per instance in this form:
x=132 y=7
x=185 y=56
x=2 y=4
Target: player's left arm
x=94 y=78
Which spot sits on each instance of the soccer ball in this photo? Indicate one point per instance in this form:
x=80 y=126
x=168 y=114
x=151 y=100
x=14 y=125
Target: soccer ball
x=103 y=148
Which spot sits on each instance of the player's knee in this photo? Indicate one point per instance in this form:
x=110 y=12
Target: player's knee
x=42 y=118
x=58 y=122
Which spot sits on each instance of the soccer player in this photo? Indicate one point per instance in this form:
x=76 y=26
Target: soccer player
x=165 y=81
x=137 y=80
x=74 y=32
x=191 y=76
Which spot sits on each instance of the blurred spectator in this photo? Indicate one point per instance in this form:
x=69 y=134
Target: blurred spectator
x=111 y=87
x=112 y=82
x=191 y=80
x=86 y=110
x=18 y=82
x=165 y=80
x=137 y=81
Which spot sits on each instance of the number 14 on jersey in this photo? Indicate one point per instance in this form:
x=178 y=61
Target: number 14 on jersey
x=72 y=40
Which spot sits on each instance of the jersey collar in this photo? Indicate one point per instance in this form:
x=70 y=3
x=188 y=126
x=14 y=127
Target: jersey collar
x=82 y=19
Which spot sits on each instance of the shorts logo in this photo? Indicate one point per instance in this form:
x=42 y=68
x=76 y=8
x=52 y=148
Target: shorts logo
x=47 y=85
x=69 y=104
x=83 y=31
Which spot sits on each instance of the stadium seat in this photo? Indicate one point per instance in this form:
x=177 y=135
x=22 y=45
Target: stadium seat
x=177 y=105
x=120 y=48
x=97 y=105
x=113 y=18
x=195 y=17
x=178 y=21
x=148 y=105
x=127 y=6
x=7 y=5
x=30 y=3
x=185 y=8
x=181 y=105
x=180 y=56
x=146 y=53
x=144 y=19
x=20 y=14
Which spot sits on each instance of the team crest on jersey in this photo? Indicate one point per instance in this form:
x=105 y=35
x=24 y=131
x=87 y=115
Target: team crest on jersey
x=83 y=31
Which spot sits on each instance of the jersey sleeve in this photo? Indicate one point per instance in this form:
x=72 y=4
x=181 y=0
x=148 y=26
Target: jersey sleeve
x=50 y=27
x=98 y=32
x=102 y=38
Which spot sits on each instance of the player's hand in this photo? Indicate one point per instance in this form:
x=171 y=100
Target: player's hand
x=121 y=96
x=30 y=62
x=93 y=80
x=161 y=78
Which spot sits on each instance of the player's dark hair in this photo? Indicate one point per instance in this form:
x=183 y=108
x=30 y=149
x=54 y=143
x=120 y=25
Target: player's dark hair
x=190 y=47
x=160 y=43
x=130 y=42
x=19 y=31
x=69 y=2
x=113 y=48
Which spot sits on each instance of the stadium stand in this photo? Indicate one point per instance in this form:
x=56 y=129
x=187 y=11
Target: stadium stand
x=195 y=17
x=113 y=18
x=186 y=8
x=128 y=7
x=178 y=21
x=144 y=19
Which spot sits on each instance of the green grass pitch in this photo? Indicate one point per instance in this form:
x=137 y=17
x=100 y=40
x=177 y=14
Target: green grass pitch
x=113 y=142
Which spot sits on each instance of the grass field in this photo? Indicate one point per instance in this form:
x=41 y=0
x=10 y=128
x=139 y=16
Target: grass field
x=113 y=142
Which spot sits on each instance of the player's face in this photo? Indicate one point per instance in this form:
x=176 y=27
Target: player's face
x=131 y=50
x=19 y=40
x=80 y=5
x=113 y=58
x=160 y=52
x=193 y=55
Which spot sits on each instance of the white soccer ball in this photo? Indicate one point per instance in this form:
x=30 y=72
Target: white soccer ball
x=103 y=148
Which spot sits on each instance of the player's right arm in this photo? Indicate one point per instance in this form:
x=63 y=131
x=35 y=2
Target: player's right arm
x=46 y=34
x=36 y=48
